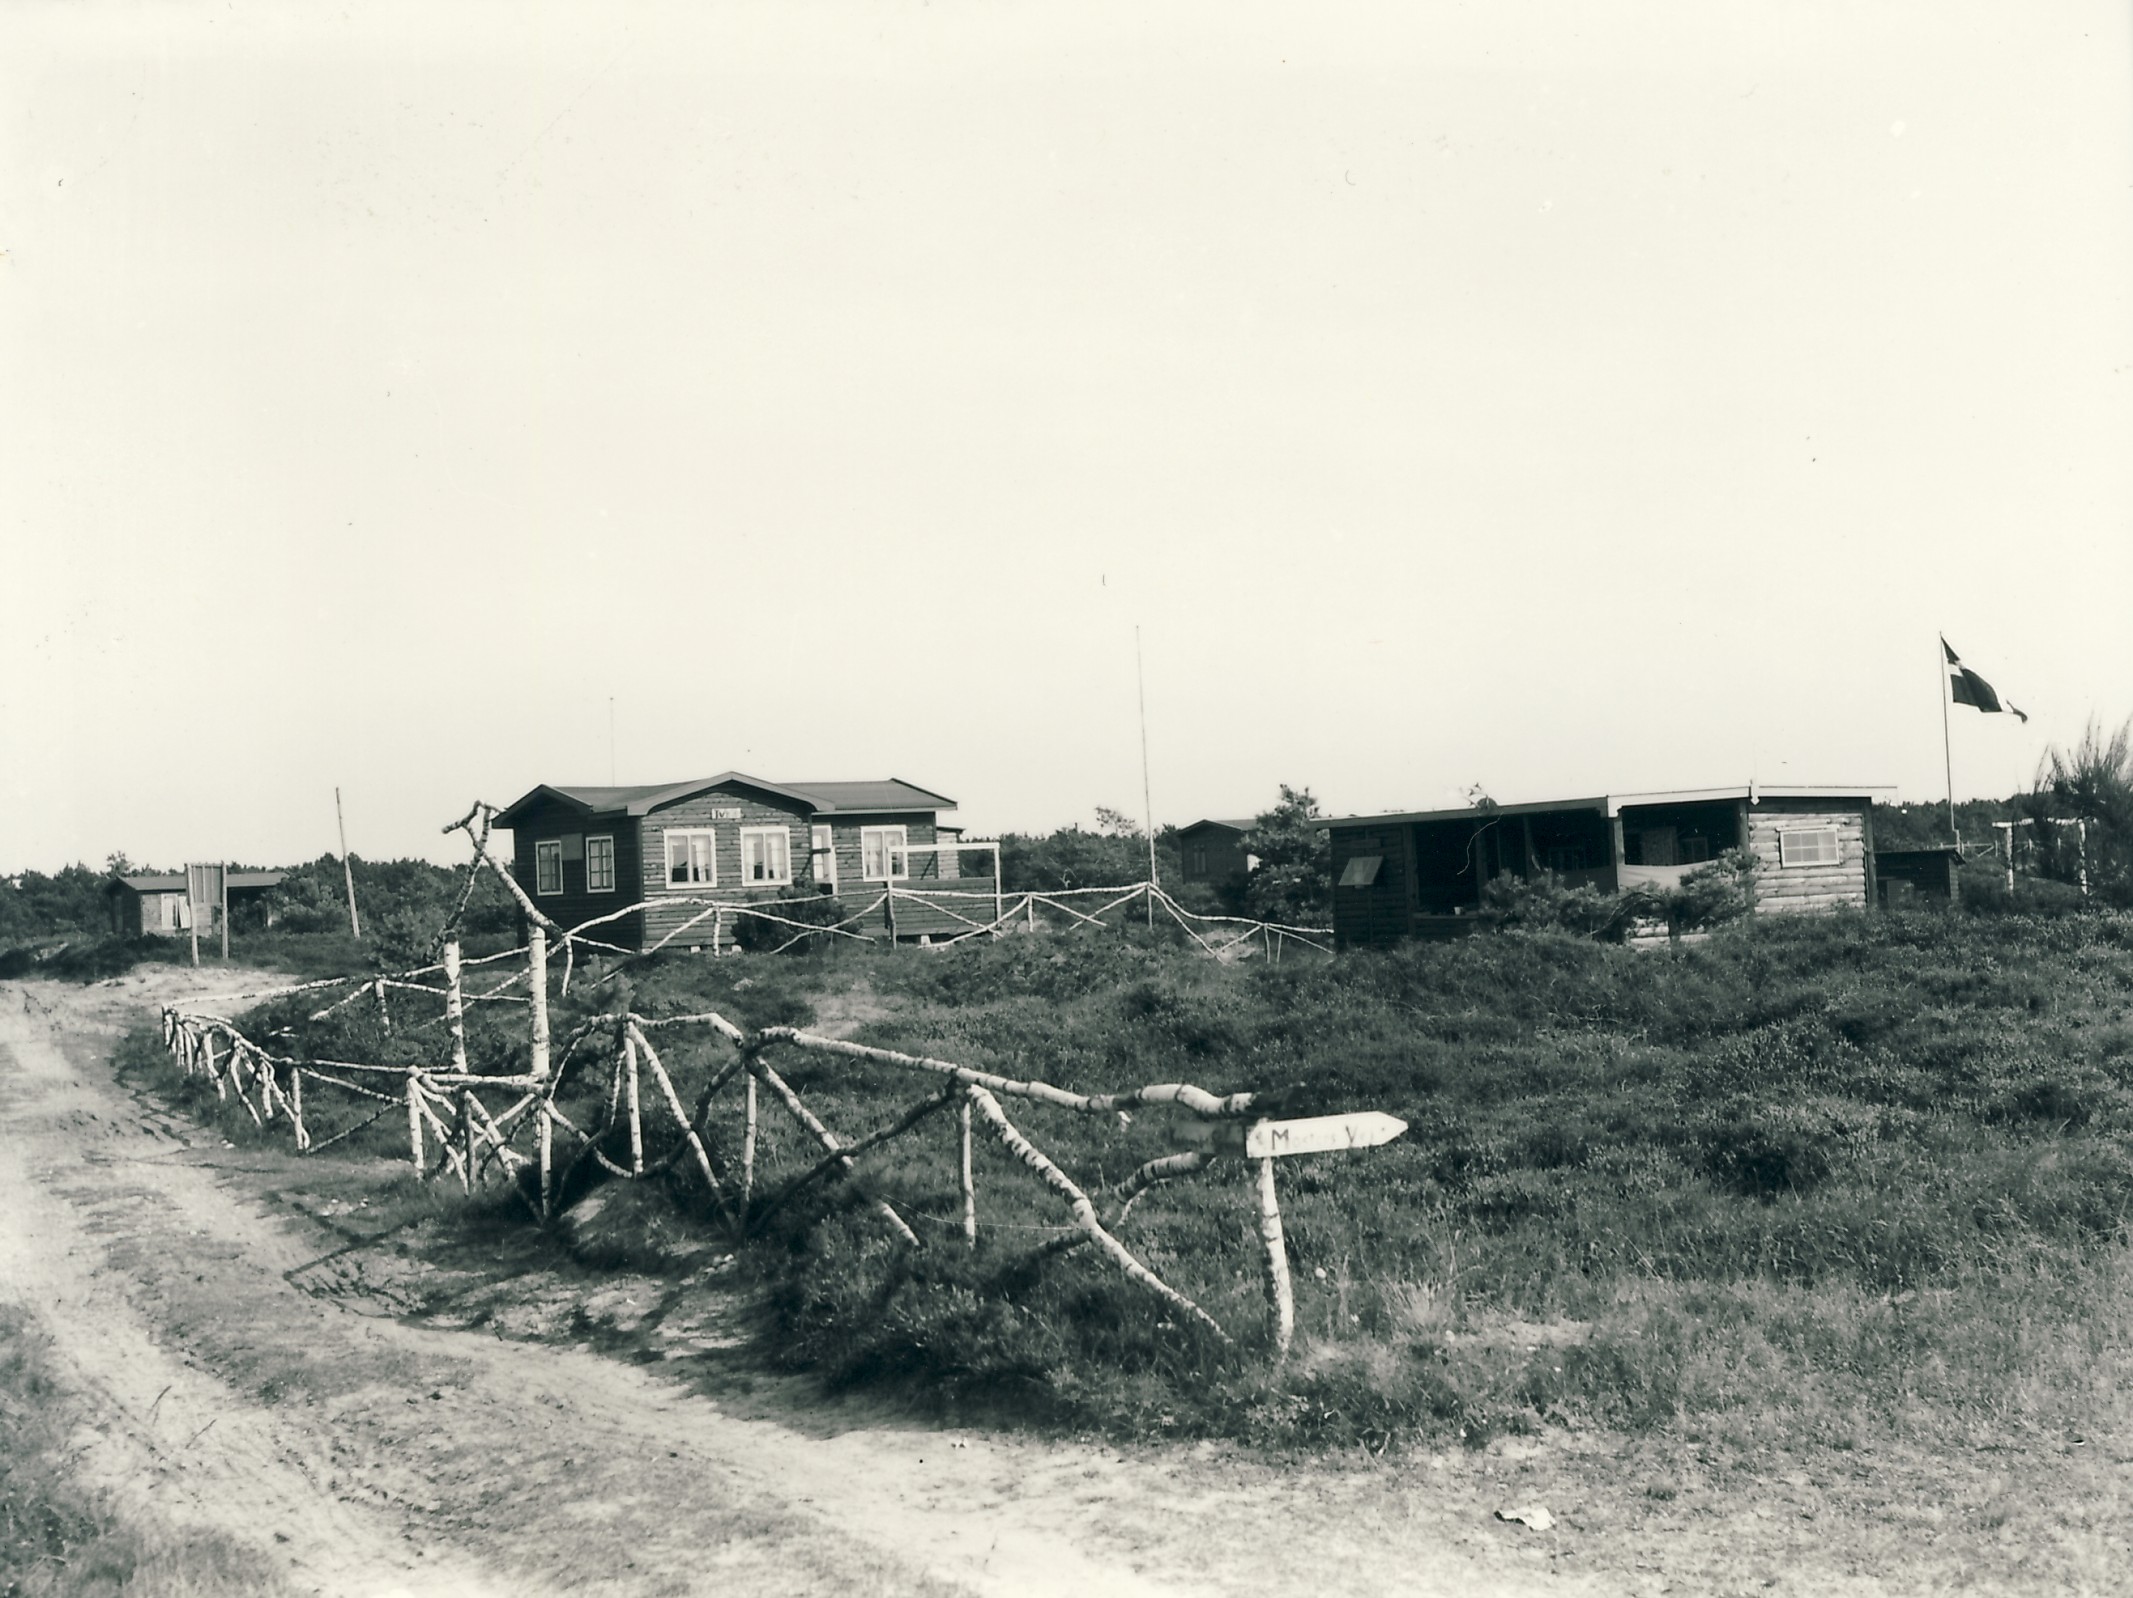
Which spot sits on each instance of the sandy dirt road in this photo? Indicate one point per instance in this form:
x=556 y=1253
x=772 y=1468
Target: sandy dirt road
x=369 y=1456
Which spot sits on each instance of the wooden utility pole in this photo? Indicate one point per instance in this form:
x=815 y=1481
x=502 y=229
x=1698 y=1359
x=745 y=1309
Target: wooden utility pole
x=355 y=927
x=223 y=871
x=1947 y=747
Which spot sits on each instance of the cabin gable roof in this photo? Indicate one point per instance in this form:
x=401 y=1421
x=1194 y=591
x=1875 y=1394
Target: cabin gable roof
x=824 y=798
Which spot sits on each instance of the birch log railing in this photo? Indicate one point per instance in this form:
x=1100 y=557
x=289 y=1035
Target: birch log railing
x=470 y=1125
x=515 y=1125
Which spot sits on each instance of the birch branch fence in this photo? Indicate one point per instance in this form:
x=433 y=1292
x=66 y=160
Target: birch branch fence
x=475 y=1127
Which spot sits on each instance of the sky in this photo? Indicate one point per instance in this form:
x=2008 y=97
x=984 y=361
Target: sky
x=432 y=401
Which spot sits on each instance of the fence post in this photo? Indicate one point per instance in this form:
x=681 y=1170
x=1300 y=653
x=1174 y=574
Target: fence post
x=416 y=1151
x=455 y=1013
x=748 y=1147
x=537 y=991
x=1280 y=1296
x=970 y=1191
x=1029 y=912
x=888 y=899
x=466 y=1129
x=546 y=1129
x=629 y=1068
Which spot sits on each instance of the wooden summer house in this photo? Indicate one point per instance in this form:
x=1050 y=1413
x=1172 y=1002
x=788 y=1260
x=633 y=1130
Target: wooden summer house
x=584 y=853
x=1422 y=873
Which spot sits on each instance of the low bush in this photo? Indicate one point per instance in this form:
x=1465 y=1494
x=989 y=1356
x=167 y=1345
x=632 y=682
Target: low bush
x=760 y=935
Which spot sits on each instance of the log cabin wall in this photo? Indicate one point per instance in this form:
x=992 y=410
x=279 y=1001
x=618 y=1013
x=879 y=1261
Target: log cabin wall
x=1848 y=881
x=723 y=811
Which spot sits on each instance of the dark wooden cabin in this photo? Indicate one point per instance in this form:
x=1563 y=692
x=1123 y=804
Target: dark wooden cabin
x=1213 y=853
x=582 y=854
x=1422 y=873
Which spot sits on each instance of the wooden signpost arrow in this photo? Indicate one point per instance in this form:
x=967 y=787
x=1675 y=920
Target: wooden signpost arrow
x=1265 y=1142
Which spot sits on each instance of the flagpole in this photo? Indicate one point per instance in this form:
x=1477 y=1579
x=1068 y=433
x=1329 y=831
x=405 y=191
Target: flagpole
x=1940 y=665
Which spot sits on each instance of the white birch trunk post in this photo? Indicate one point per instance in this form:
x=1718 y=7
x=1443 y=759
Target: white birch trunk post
x=1280 y=1296
x=385 y=1016
x=718 y=933
x=1029 y=912
x=688 y=1128
x=1084 y=1211
x=207 y=1049
x=546 y=1132
x=296 y=1108
x=748 y=1121
x=999 y=893
x=455 y=1007
x=629 y=1072
x=416 y=1152
x=466 y=1134
x=888 y=899
x=537 y=992
x=970 y=1191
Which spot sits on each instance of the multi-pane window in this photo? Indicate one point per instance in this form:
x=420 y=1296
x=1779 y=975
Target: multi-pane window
x=548 y=866
x=882 y=856
x=764 y=855
x=1809 y=846
x=599 y=865
x=825 y=852
x=692 y=860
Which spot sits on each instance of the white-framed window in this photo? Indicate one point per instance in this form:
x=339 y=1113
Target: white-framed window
x=882 y=854
x=548 y=866
x=1809 y=846
x=824 y=846
x=765 y=856
x=600 y=865
x=692 y=857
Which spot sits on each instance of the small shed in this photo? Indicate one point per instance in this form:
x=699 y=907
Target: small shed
x=160 y=906
x=1213 y=852
x=1909 y=876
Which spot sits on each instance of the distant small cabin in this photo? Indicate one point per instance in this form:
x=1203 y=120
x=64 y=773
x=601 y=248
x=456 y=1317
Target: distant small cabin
x=1423 y=872
x=581 y=854
x=161 y=907
x=1911 y=876
x=1213 y=852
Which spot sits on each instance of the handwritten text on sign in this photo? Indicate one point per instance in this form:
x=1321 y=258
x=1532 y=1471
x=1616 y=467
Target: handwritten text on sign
x=1321 y=1134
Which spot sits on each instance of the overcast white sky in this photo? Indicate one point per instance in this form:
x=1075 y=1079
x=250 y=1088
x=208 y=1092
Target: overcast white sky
x=1560 y=397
